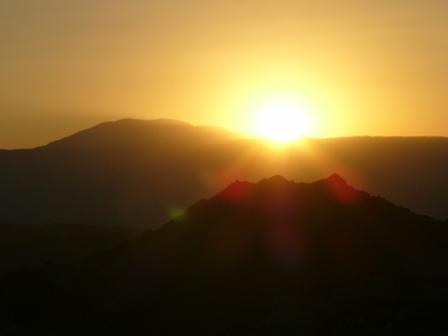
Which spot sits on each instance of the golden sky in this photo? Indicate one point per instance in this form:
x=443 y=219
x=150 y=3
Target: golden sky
x=365 y=67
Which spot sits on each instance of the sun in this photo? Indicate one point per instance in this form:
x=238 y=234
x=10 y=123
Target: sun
x=281 y=119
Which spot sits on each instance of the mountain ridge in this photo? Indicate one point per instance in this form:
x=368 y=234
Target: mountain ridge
x=131 y=132
x=176 y=122
x=141 y=178
x=280 y=256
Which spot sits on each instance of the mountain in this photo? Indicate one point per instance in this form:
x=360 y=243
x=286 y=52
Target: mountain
x=138 y=133
x=128 y=173
x=257 y=258
x=33 y=246
x=141 y=173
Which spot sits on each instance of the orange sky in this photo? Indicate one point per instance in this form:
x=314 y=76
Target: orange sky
x=366 y=67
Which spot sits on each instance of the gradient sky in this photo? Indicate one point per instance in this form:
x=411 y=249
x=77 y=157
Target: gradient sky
x=366 y=67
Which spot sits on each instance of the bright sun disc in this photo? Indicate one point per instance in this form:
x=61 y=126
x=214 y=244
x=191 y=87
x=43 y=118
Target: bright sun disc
x=281 y=119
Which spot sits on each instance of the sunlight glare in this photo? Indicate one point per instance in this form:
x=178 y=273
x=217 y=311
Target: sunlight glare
x=281 y=119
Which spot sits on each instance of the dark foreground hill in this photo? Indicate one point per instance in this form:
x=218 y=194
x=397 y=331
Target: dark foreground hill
x=270 y=258
x=33 y=246
x=139 y=173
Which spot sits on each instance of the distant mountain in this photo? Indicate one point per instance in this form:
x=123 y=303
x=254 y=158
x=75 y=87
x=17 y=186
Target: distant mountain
x=137 y=133
x=141 y=173
x=269 y=258
x=131 y=172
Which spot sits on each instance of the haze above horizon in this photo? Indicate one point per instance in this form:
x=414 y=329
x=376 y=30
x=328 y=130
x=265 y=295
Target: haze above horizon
x=354 y=67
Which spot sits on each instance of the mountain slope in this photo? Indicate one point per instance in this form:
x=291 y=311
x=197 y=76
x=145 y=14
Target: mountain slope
x=131 y=172
x=31 y=246
x=262 y=258
x=139 y=173
x=131 y=132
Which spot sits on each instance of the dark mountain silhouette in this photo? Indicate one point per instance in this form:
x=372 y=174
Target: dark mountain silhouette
x=268 y=258
x=32 y=246
x=131 y=173
x=139 y=173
